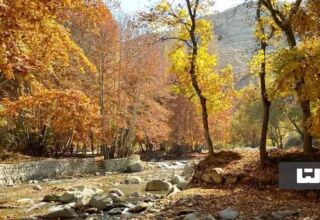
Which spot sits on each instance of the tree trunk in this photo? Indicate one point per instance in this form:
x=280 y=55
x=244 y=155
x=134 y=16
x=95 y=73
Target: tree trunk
x=193 y=74
x=266 y=109
x=264 y=96
x=304 y=104
x=307 y=137
x=291 y=40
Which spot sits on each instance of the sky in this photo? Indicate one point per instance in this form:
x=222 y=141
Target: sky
x=131 y=6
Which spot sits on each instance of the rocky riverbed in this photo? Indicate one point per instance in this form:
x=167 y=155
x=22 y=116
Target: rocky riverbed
x=108 y=195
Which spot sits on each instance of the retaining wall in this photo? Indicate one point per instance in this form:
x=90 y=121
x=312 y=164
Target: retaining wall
x=51 y=168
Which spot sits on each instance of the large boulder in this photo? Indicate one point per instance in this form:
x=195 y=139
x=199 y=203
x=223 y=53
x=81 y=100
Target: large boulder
x=62 y=211
x=132 y=180
x=101 y=202
x=158 y=185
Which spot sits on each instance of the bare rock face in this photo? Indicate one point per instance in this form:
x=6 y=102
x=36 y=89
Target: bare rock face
x=158 y=185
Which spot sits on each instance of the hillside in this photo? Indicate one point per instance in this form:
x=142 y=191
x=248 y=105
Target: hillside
x=235 y=43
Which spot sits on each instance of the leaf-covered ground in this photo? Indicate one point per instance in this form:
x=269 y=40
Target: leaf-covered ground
x=256 y=195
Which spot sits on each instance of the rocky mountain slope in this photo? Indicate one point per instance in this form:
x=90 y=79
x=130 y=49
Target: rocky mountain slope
x=235 y=42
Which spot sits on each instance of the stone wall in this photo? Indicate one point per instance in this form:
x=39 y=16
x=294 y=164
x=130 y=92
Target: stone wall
x=51 y=168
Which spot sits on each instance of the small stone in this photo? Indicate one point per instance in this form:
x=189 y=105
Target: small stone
x=51 y=198
x=176 y=179
x=232 y=180
x=25 y=201
x=153 y=211
x=284 y=214
x=191 y=216
x=135 y=195
x=140 y=207
x=136 y=167
x=182 y=186
x=70 y=196
x=133 y=180
x=228 y=214
x=61 y=212
x=33 y=181
x=97 y=174
x=209 y=217
x=158 y=185
x=101 y=202
x=115 y=211
x=37 y=187
x=174 y=190
x=117 y=191
x=91 y=210
x=115 y=197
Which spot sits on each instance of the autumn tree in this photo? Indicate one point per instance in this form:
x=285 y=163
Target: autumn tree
x=191 y=60
x=284 y=17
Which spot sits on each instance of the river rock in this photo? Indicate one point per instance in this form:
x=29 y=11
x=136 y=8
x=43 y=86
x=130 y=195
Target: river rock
x=231 y=179
x=115 y=197
x=100 y=202
x=135 y=195
x=135 y=167
x=37 y=187
x=183 y=186
x=279 y=215
x=70 y=196
x=132 y=180
x=91 y=210
x=61 y=212
x=188 y=171
x=51 y=198
x=214 y=175
x=228 y=214
x=174 y=190
x=84 y=198
x=140 y=207
x=176 y=179
x=117 y=191
x=115 y=211
x=158 y=185
x=191 y=216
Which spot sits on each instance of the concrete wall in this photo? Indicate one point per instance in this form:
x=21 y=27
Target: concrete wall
x=51 y=168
